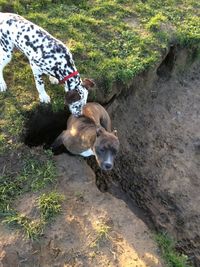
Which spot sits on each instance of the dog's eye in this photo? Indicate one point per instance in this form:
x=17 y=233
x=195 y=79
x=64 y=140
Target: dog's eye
x=100 y=150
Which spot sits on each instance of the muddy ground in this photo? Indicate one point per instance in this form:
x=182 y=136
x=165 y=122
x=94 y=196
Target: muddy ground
x=156 y=170
x=94 y=229
x=159 y=162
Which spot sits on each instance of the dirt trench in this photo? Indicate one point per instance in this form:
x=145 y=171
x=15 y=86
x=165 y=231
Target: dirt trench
x=158 y=166
x=157 y=170
x=94 y=229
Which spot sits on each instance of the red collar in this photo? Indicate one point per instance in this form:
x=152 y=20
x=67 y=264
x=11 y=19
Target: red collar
x=69 y=76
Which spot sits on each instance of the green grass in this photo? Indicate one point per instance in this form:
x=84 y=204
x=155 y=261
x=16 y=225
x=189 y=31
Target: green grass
x=111 y=41
x=32 y=175
x=50 y=204
x=168 y=251
x=105 y=46
x=102 y=230
x=31 y=228
x=102 y=234
x=36 y=174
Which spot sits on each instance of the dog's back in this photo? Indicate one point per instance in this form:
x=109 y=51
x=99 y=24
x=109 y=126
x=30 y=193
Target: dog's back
x=98 y=115
x=82 y=130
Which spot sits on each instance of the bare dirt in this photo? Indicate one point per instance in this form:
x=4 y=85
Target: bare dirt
x=94 y=229
x=159 y=164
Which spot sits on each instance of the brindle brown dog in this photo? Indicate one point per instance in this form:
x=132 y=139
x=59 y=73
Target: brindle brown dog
x=90 y=134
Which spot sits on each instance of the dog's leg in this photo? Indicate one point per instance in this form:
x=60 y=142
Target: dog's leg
x=5 y=58
x=63 y=143
x=58 y=142
x=44 y=97
x=57 y=146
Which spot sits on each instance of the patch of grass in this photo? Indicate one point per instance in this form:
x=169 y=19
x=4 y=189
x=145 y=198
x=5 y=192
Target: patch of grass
x=102 y=230
x=37 y=173
x=31 y=228
x=99 y=35
x=104 y=45
x=156 y=21
x=2 y=143
x=168 y=251
x=34 y=175
x=102 y=233
x=8 y=190
x=50 y=204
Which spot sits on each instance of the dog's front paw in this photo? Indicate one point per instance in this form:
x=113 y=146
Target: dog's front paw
x=53 y=80
x=44 y=98
x=3 y=86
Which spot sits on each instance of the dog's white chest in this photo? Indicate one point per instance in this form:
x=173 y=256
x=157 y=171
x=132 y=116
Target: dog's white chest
x=87 y=153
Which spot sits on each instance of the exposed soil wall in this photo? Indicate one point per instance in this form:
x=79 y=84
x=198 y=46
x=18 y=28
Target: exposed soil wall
x=159 y=161
x=158 y=167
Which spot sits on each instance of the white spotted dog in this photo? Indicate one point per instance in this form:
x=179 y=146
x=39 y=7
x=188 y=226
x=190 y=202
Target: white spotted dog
x=46 y=55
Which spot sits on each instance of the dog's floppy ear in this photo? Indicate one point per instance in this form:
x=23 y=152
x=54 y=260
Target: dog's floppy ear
x=72 y=96
x=87 y=83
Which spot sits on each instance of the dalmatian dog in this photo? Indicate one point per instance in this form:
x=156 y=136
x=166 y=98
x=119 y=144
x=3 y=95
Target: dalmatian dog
x=46 y=55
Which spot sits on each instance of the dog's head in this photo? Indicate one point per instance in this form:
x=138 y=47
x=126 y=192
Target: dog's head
x=77 y=97
x=106 y=148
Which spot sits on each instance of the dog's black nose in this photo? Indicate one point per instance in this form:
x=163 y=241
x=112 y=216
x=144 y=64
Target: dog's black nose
x=107 y=166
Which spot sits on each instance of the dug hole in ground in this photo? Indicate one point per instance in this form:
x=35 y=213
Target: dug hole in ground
x=157 y=170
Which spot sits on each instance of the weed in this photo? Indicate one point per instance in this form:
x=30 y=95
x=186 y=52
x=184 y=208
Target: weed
x=2 y=143
x=34 y=174
x=32 y=228
x=8 y=190
x=37 y=173
x=169 y=254
x=50 y=204
x=101 y=230
x=155 y=22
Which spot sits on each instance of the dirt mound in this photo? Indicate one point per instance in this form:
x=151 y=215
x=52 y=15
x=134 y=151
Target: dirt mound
x=94 y=229
x=158 y=166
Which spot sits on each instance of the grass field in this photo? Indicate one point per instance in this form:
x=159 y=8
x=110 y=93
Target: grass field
x=111 y=41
